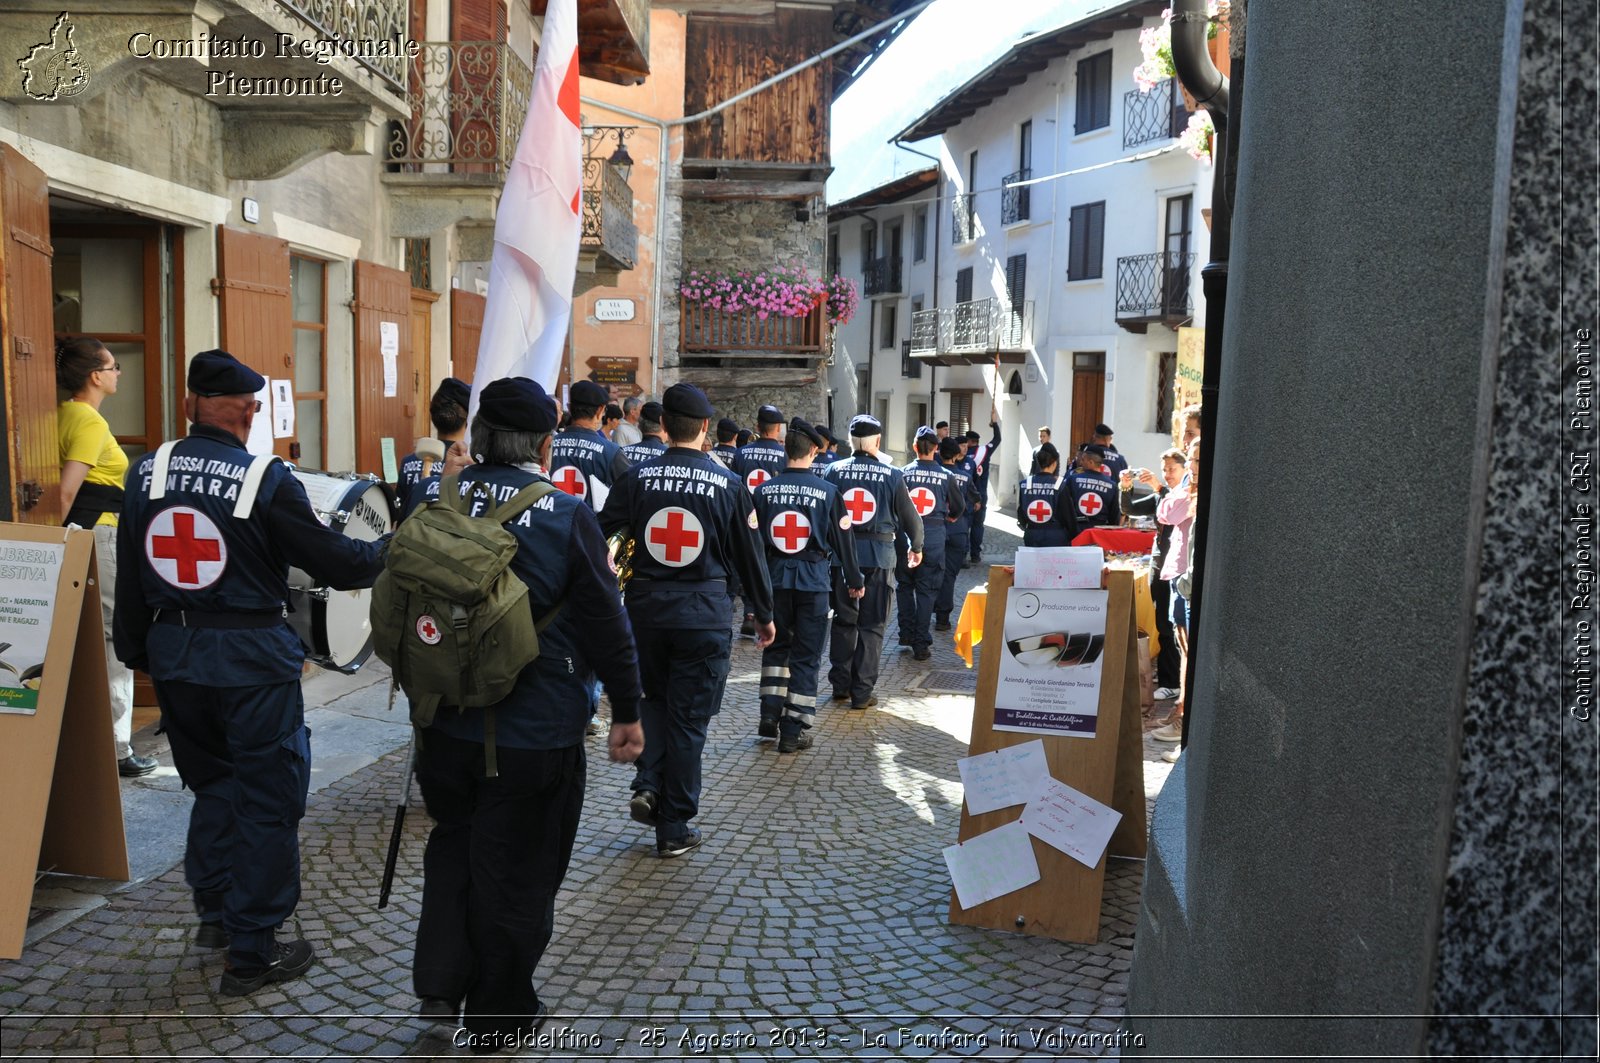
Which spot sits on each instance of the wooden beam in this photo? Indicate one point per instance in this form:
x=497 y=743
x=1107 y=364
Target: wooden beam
x=725 y=189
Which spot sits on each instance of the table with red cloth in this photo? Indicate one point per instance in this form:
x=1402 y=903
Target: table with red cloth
x=1117 y=540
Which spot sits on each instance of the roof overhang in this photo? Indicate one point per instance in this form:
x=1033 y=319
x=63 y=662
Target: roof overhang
x=890 y=191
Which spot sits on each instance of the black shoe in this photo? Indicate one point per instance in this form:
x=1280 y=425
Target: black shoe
x=905 y=642
x=133 y=765
x=768 y=727
x=290 y=959
x=643 y=807
x=748 y=628
x=921 y=653
x=679 y=846
x=942 y=625
x=439 y=1010
x=841 y=695
x=795 y=742
x=211 y=936
x=869 y=703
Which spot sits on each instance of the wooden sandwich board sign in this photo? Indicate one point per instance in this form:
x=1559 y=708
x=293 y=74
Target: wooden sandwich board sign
x=60 y=795
x=1065 y=903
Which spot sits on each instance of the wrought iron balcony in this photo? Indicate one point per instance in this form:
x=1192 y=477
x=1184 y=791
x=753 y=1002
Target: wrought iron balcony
x=975 y=331
x=1155 y=115
x=707 y=331
x=1015 y=203
x=1154 y=289
x=925 y=334
x=882 y=276
x=466 y=102
x=609 y=233
x=963 y=219
x=369 y=20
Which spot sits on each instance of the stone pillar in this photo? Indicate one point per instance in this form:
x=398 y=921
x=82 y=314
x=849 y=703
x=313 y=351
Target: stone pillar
x=1385 y=808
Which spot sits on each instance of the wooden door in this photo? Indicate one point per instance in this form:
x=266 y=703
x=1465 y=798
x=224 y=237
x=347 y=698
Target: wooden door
x=387 y=385
x=32 y=453
x=422 y=301
x=257 y=317
x=466 y=327
x=1088 y=400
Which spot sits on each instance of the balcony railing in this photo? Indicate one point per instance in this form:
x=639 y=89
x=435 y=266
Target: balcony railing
x=977 y=328
x=608 y=227
x=925 y=332
x=707 y=331
x=882 y=277
x=963 y=219
x=467 y=100
x=1154 y=288
x=368 y=20
x=1015 y=202
x=1154 y=115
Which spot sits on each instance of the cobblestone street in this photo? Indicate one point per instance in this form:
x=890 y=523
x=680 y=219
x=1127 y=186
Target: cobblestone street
x=812 y=923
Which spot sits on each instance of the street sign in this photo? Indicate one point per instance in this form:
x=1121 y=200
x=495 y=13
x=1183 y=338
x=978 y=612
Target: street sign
x=613 y=309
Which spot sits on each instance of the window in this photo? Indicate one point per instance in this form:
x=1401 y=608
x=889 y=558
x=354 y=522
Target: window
x=888 y=325
x=964 y=285
x=960 y=412
x=1015 y=198
x=1166 y=390
x=833 y=253
x=308 y=296
x=1088 y=241
x=419 y=262
x=1094 y=93
x=869 y=245
x=919 y=234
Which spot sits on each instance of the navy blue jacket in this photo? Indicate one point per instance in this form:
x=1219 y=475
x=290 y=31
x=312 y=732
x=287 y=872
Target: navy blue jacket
x=1045 y=511
x=594 y=457
x=939 y=499
x=875 y=496
x=766 y=455
x=804 y=525
x=647 y=448
x=962 y=525
x=1094 y=499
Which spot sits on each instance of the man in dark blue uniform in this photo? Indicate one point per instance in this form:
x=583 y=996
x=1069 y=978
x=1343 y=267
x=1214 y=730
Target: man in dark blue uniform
x=874 y=496
x=957 y=533
x=724 y=450
x=693 y=523
x=939 y=501
x=804 y=524
x=829 y=454
x=980 y=456
x=448 y=412
x=1093 y=493
x=1043 y=508
x=654 y=443
x=1114 y=463
x=500 y=845
x=583 y=462
x=206 y=540
x=763 y=458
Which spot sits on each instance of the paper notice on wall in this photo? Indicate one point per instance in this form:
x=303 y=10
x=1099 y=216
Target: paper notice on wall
x=260 y=440
x=282 y=409
x=1011 y=776
x=1050 y=662
x=391 y=468
x=389 y=349
x=1071 y=821
x=1047 y=567
x=993 y=864
x=30 y=574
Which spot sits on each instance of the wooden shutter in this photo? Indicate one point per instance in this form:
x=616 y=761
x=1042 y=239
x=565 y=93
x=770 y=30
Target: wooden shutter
x=964 y=285
x=1093 y=93
x=1016 y=280
x=1095 y=240
x=257 y=318
x=32 y=453
x=474 y=80
x=1085 y=105
x=383 y=296
x=466 y=326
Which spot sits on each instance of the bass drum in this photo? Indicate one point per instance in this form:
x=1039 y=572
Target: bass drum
x=335 y=626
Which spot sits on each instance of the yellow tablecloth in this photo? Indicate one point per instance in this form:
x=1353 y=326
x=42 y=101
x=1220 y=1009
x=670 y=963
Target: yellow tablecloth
x=969 y=627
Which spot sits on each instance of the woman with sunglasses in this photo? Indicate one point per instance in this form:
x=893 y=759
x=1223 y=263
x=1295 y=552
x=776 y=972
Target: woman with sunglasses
x=93 y=467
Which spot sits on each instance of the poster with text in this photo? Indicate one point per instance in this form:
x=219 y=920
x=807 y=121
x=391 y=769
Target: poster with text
x=1050 y=667
x=29 y=573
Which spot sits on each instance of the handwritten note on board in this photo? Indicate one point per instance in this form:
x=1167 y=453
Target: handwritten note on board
x=1071 y=821
x=1010 y=776
x=1050 y=567
x=992 y=865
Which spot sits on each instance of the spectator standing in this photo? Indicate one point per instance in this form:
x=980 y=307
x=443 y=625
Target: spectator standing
x=610 y=420
x=654 y=442
x=1044 y=437
x=628 y=431
x=1177 y=510
x=1169 y=674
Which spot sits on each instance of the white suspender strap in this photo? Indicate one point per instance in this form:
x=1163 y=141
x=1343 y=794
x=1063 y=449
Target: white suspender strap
x=252 y=484
x=158 y=471
x=1059 y=481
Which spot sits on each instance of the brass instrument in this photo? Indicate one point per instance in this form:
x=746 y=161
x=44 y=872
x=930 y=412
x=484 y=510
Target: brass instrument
x=619 y=550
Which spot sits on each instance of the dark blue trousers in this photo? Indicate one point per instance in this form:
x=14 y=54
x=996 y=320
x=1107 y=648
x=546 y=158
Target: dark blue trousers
x=955 y=554
x=683 y=672
x=918 y=590
x=855 y=648
x=245 y=754
x=496 y=856
x=976 y=545
x=789 y=666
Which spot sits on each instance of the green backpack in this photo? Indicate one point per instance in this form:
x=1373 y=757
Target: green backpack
x=449 y=616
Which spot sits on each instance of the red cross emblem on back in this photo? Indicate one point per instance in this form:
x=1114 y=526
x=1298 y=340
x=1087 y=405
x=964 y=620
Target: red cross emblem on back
x=1089 y=504
x=791 y=531
x=756 y=478
x=860 y=504
x=1040 y=511
x=923 y=500
x=570 y=479
x=674 y=537
x=185 y=548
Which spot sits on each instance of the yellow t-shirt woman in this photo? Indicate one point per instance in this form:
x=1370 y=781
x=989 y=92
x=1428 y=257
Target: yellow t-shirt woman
x=86 y=438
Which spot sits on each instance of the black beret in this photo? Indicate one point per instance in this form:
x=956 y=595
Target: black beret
x=827 y=433
x=769 y=415
x=651 y=411
x=864 y=424
x=727 y=427
x=1094 y=448
x=796 y=425
x=686 y=400
x=942 y=424
x=973 y=435
x=949 y=448
x=456 y=391
x=517 y=404
x=587 y=393
x=217 y=372
x=1103 y=430
x=926 y=433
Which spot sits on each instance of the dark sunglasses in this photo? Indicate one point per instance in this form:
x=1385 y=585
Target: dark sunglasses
x=1058 y=648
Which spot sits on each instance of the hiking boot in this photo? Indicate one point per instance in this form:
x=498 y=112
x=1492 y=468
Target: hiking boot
x=795 y=742
x=211 y=936
x=841 y=695
x=679 y=846
x=768 y=727
x=942 y=625
x=290 y=960
x=921 y=653
x=643 y=807
x=869 y=703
